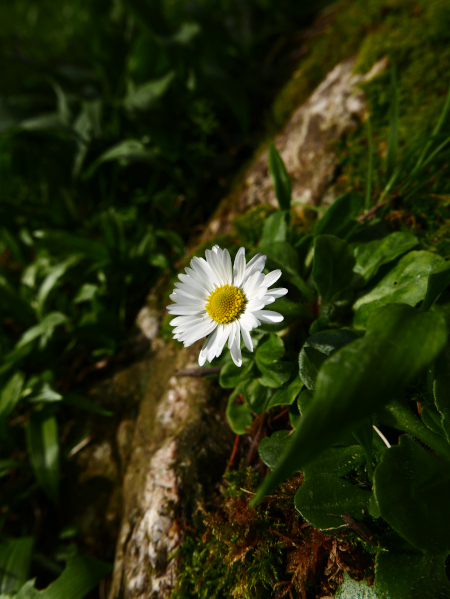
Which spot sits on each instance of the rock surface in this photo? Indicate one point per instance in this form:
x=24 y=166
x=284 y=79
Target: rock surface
x=172 y=441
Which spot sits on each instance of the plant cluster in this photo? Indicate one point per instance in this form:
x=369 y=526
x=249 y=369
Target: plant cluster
x=361 y=368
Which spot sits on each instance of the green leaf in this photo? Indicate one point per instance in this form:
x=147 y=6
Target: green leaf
x=52 y=279
x=432 y=419
x=337 y=461
x=316 y=350
x=256 y=395
x=10 y=396
x=270 y=351
x=438 y=280
x=412 y=489
x=406 y=283
x=354 y=589
x=400 y=343
x=276 y=374
x=291 y=311
x=411 y=576
x=441 y=389
x=145 y=96
x=275 y=227
x=15 y=559
x=45 y=394
x=43 y=449
x=338 y=219
x=280 y=178
x=363 y=433
x=44 y=329
x=84 y=403
x=332 y=267
x=282 y=255
x=271 y=448
x=81 y=574
x=231 y=375
x=126 y=151
x=325 y=494
x=372 y=255
x=239 y=413
x=285 y=397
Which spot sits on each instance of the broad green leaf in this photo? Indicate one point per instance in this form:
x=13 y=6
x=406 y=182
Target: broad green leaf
x=406 y=283
x=239 y=413
x=338 y=219
x=372 y=255
x=441 y=389
x=43 y=449
x=15 y=559
x=324 y=494
x=411 y=576
x=438 y=280
x=231 y=375
x=7 y=465
x=81 y=574
x=285 y=397
x=354 y=589
x=337 y=461
x=10 y=396
x=280 y=178
x=270 y=351
x=275 y=227
x=86 y=293
x=281 y=254
x=276 y=374
x=316 y=350
x=432 y=419
x=363 y=433
x=44 y=330
x=332 y=267
x=84 y=403
x=271 y=448
x=400 y=343
x=412 y=489
x=256 y=395
x=145 y=96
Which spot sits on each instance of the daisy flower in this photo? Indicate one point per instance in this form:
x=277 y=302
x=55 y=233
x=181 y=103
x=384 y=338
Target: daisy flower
x=221 y=302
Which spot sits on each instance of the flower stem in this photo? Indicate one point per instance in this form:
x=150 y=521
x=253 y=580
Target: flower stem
x=397 y=414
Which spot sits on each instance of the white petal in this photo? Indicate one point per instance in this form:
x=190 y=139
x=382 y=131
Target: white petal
x=235 y=348
x=278 y=292
x=214 y=260
x=268 y=316
x=228 y=268
x=250 y=287
x=181 y=320
x=248 y=321
x=177 y=310
x=206 y=349
x=186 y=293
x=256 y=264
x=193 y=290
x=247 y=339
x=272 y=277
x=204 y=270
x=239 y=267
x=200 y=279
x=255 y=304
x=198 y=332
x=222 y=338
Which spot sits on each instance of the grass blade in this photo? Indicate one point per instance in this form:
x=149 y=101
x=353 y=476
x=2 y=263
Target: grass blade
x=392 y=148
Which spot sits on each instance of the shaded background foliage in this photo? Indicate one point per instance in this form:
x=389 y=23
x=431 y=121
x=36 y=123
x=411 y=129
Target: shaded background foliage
x=121 y=125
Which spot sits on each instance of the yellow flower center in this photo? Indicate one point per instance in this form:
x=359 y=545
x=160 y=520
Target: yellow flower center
x=225 y=304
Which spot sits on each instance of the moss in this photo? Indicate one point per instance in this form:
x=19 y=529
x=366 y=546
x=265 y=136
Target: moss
x=249 y=226
x=242 y=552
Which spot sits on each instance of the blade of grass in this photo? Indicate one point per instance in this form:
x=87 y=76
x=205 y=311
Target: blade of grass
x=392 y=148
x=436 y=130
x=370 y=166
